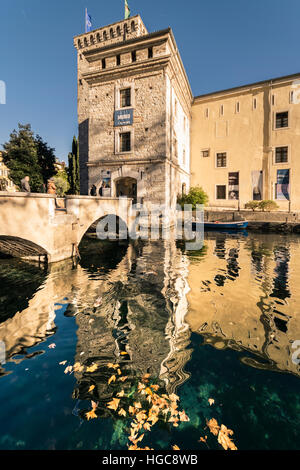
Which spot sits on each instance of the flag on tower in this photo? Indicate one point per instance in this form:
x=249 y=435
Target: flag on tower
x=88 y=22
x=127 y=10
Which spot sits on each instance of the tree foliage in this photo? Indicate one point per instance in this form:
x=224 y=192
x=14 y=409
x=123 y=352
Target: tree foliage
x=196 y=195
x=73 y=170
x=28 y=155
x=61 y=183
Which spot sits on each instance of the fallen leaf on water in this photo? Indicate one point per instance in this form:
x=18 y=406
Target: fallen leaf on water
x=119 y=372
x=211 y=401
x=138 y=405
x=91 y=415
x=132 y=410
x=147 y=426
x=224 y=439
x=203 y=439
x=52 y=346
x=121 y=394
x=123 y=378
x=174 y=397
x=63 y=363
x=68 y=369
x=213 y=426
x=122 y=412
x=91 y=388
x=124 y=353
x=114 y=404
x=112 y=379
x=183 y=416
x=94 y=404
x=175 y=448
x=92 y=368
x=78 y=367
x=113 y=366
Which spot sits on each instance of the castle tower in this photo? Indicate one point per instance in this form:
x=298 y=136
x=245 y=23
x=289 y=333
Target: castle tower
x=134 y=111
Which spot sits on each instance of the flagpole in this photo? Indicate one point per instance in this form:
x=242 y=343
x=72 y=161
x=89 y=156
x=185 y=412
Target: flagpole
x=85 y=20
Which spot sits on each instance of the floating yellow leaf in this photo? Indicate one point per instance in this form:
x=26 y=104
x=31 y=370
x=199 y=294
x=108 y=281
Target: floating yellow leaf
x=78 y=367
x=154 y=387
x=68 y=369
x=224 y=439
x=52 y=346
x=147 y=426
x=91 y=388
x=114 y=404
x=175 y=448
x=112 y=379
x=91 y=415
x=211 y=401
x=63 y=363
x=121 y=394
x=138 y=405
x=183 y=416
x=122 y=412
x=92 y=368
x=94 y=404
x=213 y=426
x=113 y=366
x=203 y=439
x=148 y=391
x=122 y=379
x=145 y=377
x=124 y=353
x=119 y=371
x=131 y=410
x=174 y=397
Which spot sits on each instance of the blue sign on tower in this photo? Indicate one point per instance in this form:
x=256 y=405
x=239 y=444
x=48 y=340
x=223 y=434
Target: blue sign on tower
x=123 y=117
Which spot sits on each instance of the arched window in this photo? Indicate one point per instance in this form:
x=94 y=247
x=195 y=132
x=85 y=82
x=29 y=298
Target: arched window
x=79 y=44
x=125 y=28
x=132 y=26
x=92 y=39
x=85 y=42
x=111 y=33
x=118 y=31
x=98 y=37
x=104 y=35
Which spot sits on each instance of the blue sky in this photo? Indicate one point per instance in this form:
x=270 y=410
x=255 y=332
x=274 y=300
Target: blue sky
x=222 y=44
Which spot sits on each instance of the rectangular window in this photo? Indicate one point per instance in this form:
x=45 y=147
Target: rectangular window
x=233 y=185
x=291 y=97
x=133 y=56
x=125 y=98
x=282 y=120
x=221 y=192
x=118 y=59
x=205 y=153
x=282 y=187
x=207 y=113
x=237 y=108
x=273 y=100
x=221 y=110
x=281 y=155
x=125 y=142
x=183 y=157
x=221 y=160
x=254 y=103
x=150 y=52
x=103 y=63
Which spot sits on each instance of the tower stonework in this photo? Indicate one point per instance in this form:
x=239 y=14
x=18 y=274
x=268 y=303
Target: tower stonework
x=134 y=113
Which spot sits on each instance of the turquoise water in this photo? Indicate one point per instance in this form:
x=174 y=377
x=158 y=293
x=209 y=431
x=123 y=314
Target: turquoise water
x=219 y=323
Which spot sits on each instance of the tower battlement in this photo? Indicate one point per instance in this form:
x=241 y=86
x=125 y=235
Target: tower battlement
x=112 y=34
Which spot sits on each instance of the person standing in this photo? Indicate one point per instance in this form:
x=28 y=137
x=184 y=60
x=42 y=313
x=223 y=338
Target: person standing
x=25 y=186
x=51 y=188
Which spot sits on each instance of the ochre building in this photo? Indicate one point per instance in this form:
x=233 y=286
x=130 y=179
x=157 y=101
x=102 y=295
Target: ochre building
x=142 y=134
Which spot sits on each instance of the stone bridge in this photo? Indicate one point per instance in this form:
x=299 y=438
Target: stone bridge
x=32 y=225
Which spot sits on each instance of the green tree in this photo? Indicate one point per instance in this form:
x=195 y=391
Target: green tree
x=73 y=170
x=21 y=157
x=46 y=158
x=61 y=183
x=196 y=195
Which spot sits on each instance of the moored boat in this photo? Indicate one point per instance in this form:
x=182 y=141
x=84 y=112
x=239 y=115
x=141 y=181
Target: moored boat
x=241 y=225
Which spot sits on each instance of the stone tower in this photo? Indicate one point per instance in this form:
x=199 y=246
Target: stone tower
x=134 y=112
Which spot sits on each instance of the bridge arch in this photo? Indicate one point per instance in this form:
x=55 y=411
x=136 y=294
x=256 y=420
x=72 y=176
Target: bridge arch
x=21 y=248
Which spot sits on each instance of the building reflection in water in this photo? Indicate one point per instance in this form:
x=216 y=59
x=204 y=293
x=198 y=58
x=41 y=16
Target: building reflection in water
x=137 y=304
x=252 y=303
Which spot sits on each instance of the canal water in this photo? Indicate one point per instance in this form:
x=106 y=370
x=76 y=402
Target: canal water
x=217 y=324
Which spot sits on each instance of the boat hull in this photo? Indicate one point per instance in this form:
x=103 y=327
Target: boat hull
x=223 y=225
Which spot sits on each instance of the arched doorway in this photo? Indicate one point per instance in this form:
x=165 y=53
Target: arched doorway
x=127 y=187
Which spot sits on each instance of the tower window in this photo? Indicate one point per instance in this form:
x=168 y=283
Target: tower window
x=125 y=142
x=221 y=191
x=254 y=103
x=125 y=98
x=237 y=107
x=104 y=63
x=132 y=26
x=150 y=52
x=118 y=59
x=133 y=56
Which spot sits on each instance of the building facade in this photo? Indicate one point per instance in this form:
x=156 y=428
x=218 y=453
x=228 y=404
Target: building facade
x=6 y=184
x=134 y=111
x=142 y=134
x=245 y=144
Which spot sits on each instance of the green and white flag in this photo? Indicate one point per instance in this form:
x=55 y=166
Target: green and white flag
x=127 y=10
